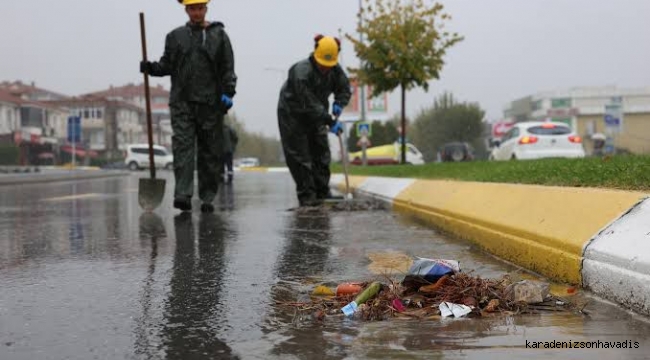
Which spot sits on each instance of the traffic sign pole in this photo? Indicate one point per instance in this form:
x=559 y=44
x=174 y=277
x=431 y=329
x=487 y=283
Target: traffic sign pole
x=74 y=153
x=74 y=135
x=364 y=146
x=363 y=131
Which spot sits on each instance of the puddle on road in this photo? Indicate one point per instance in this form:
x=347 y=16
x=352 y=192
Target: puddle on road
x=111 y=284
x=76 y=197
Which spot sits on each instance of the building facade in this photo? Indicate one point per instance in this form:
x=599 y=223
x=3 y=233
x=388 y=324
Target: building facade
x=36 y=115
x=107 y=126
x=9 y=113
x=35 y=126
x=134 y=94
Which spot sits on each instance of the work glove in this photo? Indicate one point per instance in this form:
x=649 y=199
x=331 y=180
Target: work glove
x=226 y=101
x=145 y=67
x=336 y=110
x=336 y=128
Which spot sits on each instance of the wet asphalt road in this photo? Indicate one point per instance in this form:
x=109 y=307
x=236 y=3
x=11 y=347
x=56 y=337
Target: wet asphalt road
x=86 y=275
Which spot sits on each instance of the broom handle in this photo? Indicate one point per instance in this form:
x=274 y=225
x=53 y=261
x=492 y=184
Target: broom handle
x=344 y=159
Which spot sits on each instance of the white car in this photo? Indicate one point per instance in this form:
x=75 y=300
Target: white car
x=247 y=162
x=536 y=140
x=137 y=157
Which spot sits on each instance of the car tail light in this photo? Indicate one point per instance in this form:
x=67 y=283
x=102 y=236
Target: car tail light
x=548 y=126
x=575 y=139
x=528 y=140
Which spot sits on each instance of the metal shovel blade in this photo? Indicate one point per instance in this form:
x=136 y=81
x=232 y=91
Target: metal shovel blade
x=150 y=193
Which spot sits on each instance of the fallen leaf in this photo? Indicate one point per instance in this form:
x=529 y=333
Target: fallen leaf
x=493 y=305
x=322 y=290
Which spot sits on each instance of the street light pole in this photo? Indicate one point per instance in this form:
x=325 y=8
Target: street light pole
x=362 y=92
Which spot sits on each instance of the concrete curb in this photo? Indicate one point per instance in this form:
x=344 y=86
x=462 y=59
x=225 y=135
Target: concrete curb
x=38 y=178
x=617 y=262
x=596 y=238
x=263 y=169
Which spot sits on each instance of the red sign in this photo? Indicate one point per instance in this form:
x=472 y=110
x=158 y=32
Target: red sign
x=562 y=112
x=500 y=128
x=353 y=105
x=374 y=105
x=79 y=152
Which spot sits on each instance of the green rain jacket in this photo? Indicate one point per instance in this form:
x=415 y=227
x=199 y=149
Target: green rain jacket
x=201 y=63
x=230 y=139
x=305 y=93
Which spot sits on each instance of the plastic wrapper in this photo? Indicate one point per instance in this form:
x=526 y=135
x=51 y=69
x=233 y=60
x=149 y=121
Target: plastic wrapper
x=429 y=271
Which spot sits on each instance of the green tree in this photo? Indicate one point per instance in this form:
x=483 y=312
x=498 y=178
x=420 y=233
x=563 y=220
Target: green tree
x=405 y=44
x=266 y=149
x=9 y=154
x=446 y=121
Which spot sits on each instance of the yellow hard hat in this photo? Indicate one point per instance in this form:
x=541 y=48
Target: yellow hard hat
x=194 y=2
x=327 y=51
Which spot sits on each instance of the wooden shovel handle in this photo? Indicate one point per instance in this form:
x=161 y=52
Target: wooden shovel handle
x=152 y=165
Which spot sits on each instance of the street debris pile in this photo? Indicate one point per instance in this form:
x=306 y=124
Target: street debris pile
x=357 y=205
x=344 y=205
x=432 y=289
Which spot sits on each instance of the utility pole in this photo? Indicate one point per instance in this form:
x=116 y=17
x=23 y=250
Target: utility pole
x=362 y=94
x=344 y=150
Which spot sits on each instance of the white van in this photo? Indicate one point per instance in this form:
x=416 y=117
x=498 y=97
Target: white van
x=137 y=157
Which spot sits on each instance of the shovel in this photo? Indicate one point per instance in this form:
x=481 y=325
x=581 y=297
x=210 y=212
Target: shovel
x=150 y=191
x=349 y=204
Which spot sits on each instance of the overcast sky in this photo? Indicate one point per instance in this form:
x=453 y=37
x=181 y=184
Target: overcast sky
x=512 y=48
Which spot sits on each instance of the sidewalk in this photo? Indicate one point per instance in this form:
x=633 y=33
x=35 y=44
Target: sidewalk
x=51 y=174
x=261 y=169
x=596 y=238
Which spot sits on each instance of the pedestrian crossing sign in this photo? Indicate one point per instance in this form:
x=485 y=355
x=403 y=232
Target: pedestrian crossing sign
x=364 y=129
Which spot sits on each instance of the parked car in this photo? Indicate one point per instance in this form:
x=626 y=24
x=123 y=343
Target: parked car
x=388 y=154
x=536 y=140
x=137 y=157
x=456 y=152
x=247 y=162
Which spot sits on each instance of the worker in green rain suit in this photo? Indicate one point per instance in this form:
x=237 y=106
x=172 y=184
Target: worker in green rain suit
x=303 y=118
x=230 y=140
x=200 y=60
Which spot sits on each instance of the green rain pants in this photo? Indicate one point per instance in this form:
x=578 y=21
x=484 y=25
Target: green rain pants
x=197 y=139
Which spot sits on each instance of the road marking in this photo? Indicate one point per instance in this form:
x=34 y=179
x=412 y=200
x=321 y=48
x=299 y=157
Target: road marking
x=73 y=197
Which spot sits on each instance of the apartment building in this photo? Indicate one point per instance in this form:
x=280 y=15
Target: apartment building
x=28 y=111
x=107 y=126
x=134 y=94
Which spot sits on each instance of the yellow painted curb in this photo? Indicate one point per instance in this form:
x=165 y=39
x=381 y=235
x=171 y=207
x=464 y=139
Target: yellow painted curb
x=540 y=228
x=254 y=169
x=355 y=182
x=77 y=167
